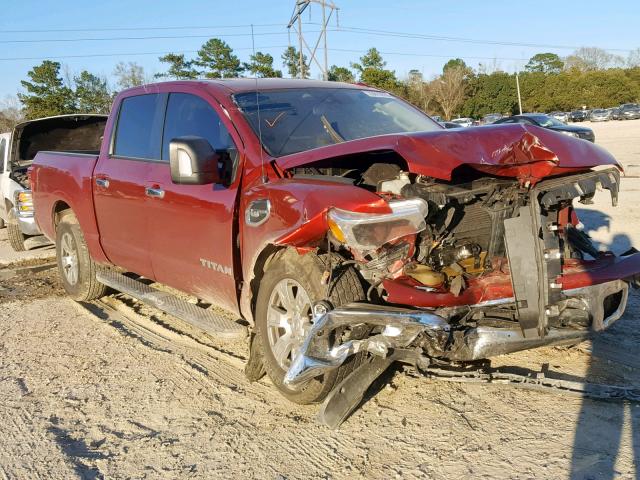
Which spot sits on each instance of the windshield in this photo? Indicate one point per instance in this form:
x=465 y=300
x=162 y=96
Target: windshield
x=295 y=120
x=546 y=121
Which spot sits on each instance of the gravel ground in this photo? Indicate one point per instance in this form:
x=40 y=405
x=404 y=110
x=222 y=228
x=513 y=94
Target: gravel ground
x=133 y=394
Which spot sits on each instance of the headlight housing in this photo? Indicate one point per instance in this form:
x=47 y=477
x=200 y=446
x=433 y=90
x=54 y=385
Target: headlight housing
x=571 y=134
x=23 y=201
x=367 y=232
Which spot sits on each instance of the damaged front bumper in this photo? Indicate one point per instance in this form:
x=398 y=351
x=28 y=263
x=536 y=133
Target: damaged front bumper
x=429 y=334
x=548 y=297
x=400 y=328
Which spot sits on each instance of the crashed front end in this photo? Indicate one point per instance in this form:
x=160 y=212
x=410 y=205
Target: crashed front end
x=489 y=261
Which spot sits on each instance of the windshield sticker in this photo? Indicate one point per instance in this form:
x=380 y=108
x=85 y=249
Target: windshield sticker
x=272 y=123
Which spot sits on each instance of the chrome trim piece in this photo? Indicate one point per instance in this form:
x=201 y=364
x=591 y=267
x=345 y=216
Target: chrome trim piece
x=154 y=192
x=27 y=225
x=102 y=182
x=401 y=327
x=485 y=342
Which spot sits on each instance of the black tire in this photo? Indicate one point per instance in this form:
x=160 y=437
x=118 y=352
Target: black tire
x=69 y=242
x=307 y=270
x=2 y=224
x=16 y=237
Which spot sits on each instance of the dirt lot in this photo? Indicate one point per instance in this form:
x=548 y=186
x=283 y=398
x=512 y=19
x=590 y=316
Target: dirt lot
x=123 y=394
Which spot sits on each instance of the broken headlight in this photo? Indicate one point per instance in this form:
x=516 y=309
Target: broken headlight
x=367 y=232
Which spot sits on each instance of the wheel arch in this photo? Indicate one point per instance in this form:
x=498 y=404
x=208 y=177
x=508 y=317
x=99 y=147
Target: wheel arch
x=253 y=277
x=59 y=209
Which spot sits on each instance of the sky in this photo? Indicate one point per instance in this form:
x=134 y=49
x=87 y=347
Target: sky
x=476 y=31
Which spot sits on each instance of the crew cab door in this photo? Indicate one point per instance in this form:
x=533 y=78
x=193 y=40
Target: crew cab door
x=191 y=227
x=119 y=182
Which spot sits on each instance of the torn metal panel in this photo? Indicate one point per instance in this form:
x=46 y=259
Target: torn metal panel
x=400 y=329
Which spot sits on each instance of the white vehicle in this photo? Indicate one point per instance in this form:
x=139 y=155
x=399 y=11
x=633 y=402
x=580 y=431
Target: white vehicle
x=71 y=133
x=463 y=122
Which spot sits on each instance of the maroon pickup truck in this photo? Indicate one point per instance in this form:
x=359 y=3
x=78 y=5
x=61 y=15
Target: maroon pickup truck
x=342 y=228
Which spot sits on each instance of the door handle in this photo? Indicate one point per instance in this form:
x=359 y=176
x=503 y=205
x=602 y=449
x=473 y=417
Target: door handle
x=102 y=182
x=154 y=192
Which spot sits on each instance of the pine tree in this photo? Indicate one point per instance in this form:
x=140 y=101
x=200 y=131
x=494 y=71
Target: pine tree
x=217 y=59
x=46 y=93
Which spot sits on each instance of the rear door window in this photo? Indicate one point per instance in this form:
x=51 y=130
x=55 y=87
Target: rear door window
x=139 y=129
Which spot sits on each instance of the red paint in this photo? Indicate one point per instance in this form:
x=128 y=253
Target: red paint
x=166 y=239
x=576 y=274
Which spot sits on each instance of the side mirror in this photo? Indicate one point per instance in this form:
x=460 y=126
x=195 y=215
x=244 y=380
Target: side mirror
x=193 y=161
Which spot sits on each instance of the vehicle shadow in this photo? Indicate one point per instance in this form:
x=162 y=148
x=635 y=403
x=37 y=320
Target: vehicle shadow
x=600 y=437
x=596 y=221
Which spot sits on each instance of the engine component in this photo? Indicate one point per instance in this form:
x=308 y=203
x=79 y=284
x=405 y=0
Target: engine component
x=425 y=275
x=446 y=255
x=380 y=172
x=396 y=185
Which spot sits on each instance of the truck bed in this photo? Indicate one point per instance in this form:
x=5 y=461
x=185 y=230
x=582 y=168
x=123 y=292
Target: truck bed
x=61 y=180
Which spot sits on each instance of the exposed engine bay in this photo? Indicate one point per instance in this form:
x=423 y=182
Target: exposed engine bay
x=465 y=270
x=474 y=228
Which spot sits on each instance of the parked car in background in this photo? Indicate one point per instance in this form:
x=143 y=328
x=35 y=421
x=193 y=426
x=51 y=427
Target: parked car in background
x=615 y=114
x=72 y=133
x=600 y=115
x=450 y=125
x=551 y=123
x=463 y=122
x=437 y=118
x=490 y=118
x=562 y=116
x=578 y=116
x=629 y=111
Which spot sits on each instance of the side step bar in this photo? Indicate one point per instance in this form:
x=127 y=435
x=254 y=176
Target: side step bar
x=205 y=320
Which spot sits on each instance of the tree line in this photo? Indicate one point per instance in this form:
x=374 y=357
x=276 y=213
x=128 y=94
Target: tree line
x=589 y=76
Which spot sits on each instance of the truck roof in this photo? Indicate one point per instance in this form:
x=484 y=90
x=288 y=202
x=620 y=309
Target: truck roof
x=240 y=85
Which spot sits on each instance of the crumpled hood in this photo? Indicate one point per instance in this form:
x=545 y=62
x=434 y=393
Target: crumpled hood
x=526 y=152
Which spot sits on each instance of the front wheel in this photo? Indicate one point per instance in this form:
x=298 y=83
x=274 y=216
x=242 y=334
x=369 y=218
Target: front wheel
x=77 y=269
x=288 y=290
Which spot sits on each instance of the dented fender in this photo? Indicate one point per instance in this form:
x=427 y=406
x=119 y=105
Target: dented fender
x=296 y=217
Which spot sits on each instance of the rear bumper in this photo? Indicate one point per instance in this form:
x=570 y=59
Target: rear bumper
x=430 y=334
x=27 y=225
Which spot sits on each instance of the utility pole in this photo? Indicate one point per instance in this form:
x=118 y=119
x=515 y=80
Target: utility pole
x=296 y=18
x=518 y=88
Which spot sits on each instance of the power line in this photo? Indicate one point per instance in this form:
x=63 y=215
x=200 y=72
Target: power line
x=121 y=54
x=429 y=55
x=130 y=29
x=342 y=29
x=406 y=54
x=386 y=33
x=162 y=37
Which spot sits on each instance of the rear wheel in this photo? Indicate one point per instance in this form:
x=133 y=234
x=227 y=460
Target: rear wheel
x=77 y=269
x=288 y=290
